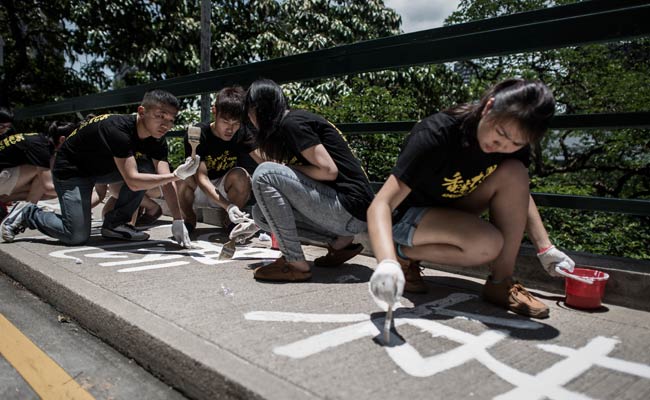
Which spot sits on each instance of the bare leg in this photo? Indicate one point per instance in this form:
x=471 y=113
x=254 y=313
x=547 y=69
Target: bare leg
x=150 y=206
x=99 y=194
x=238 y=187
x=113 y=191
x=28 y=186
x=186 y=190
x=505 y=193
x=459 y=237
x=454 y=237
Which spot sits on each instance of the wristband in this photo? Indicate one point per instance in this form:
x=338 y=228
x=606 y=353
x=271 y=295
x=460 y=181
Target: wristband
x=545 y=249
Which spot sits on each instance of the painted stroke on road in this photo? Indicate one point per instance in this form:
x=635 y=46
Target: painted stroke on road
x=546 y=384
x=154 y=254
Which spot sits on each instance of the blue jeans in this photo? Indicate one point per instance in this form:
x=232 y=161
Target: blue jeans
x=72 y=226
x=404 y=229
x=294 y=206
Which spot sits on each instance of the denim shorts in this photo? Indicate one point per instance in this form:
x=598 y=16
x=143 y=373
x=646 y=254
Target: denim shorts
x=404 y=229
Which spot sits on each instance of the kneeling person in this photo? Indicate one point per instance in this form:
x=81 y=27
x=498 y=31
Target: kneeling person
x=103 y=150
x=219 y=182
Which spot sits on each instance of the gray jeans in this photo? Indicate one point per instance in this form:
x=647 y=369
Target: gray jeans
x=294 y=206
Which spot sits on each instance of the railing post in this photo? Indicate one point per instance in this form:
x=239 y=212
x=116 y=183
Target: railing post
x=206 y=8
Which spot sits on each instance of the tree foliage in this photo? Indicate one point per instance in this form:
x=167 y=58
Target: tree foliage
x=62 y=48
x=589 y=79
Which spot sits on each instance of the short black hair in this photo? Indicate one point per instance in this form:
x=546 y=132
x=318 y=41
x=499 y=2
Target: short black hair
x=229 y=102
x=6 y=115
x=158 y=96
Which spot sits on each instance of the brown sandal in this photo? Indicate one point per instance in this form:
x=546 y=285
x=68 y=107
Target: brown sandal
x=280 y=271
x=334 y=258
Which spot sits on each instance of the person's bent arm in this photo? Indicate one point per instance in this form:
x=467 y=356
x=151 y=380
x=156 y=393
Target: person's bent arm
x=136 y=180
x=549 y=256
x=380 y=227
x=535 y=227
x=204 y=183
x=322 y=166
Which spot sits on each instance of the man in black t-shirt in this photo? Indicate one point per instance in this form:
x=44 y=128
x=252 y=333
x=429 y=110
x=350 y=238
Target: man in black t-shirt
x=25 y=160
x=103 y=150
x=221 y=181
x=24 y=157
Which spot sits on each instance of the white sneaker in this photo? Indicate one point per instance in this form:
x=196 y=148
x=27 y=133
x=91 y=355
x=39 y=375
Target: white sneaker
x=14 y=223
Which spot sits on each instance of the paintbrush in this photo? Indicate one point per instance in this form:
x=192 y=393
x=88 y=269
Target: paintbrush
x=387 y=324
x=228 y=250
x=194 y=137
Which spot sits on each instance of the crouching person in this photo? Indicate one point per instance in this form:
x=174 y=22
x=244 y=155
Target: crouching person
x=220 y=181
x=103 y=150
x=25 y=160
x=455 y=165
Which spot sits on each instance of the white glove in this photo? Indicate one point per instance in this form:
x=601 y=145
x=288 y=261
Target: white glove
x=181 y=236
x=236 y=215
x=244 y=230
x=552 y=257
x=387 y=284
x=188 y=168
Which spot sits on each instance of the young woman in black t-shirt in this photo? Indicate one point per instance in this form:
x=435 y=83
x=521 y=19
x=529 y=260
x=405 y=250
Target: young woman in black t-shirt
x=455 y=165
x=320 y=193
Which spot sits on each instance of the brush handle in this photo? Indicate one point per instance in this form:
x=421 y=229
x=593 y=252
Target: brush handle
x=387 y=323
x=194 y=138
x=193 y=144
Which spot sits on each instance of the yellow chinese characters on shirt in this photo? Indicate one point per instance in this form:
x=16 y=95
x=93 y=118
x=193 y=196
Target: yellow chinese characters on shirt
x=224 y=162
x=458 y=187
x=88 y=122
x=11 y=140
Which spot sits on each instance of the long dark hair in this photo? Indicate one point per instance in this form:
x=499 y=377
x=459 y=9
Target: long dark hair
x=529 y=103
x=58 y=129
x=266 y=99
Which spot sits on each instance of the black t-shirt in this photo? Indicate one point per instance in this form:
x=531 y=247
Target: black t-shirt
x=219 y=155
x=9 y=132
x=304 y=130
x=89 y=150
x=25 y=148
x=440 y=164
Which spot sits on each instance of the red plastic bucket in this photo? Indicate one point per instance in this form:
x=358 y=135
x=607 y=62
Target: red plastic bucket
x=274 y=242
x=584 y=295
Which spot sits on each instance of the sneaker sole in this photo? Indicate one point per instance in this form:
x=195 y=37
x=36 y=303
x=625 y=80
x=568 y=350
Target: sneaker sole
x=113 y=235
x=18 y=207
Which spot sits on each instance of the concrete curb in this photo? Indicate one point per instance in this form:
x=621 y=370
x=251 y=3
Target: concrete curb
x=192 y=365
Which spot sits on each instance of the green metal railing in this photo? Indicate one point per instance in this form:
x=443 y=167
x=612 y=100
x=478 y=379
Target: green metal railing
x=571 y=25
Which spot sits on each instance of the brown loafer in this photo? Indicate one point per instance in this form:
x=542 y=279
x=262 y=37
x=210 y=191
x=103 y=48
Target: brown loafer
x=334 y=258
x=510 y=295
x=280 y=271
